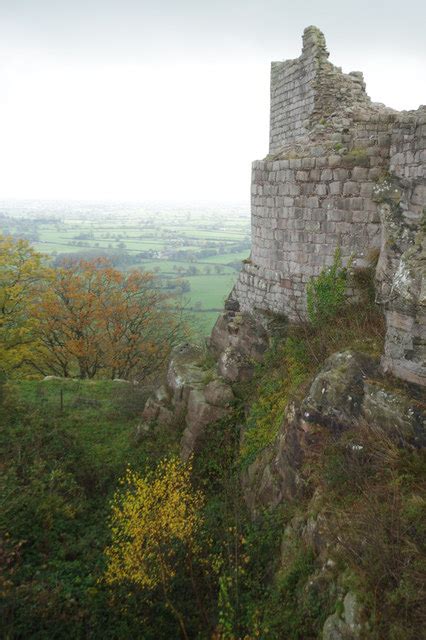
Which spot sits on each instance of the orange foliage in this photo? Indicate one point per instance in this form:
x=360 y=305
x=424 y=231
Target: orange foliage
x=94 y=319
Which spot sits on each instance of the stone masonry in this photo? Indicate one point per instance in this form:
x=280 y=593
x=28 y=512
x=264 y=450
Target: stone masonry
x=341 y=172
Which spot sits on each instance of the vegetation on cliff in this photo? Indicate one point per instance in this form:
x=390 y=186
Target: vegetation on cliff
x=105 y=534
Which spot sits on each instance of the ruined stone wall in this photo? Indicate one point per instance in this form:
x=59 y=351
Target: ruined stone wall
x=402 y=266
x=292 y=100
x=330 y=147
x=293 y=92
x=308 y=204
x=307 y=89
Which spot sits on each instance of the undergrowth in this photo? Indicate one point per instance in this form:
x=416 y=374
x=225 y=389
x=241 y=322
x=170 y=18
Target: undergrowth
x=59 y=465
x=65 y=444
x=278 y=380
x=292 y=362
x=373 y=497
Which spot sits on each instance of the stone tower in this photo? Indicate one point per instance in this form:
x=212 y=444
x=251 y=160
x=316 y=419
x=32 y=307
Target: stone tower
x=341 y=172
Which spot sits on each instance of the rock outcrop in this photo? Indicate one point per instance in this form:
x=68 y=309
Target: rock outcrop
x=345 y=394
x=197 y=390
x=196 y=394
x=274 y=474
x=336 y=395
x=191 y=398
x=238 y=340
x=347 y=626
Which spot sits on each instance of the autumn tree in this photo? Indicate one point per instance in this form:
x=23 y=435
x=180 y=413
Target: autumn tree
x=151 y=517
x=95 y=320
x=22 y=272
x=141 y=327
x=68 y=320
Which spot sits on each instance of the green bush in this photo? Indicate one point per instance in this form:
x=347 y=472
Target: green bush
x=326 y=294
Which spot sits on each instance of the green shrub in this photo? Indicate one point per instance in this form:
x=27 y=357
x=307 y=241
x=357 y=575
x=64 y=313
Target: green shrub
x=326 y=294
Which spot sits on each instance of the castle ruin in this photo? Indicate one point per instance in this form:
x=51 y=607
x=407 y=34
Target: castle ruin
x=341 y=172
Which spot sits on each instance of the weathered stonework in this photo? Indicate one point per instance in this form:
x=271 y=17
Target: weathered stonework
x=401 y=271
x=331 y=151
x=306 y=89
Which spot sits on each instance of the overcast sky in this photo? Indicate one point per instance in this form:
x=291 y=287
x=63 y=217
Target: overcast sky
x=168 y=100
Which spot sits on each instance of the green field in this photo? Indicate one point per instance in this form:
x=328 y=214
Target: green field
x=229 y=257
x=211 y=290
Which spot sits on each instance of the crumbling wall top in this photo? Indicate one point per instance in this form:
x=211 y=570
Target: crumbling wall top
x=308 y=89
x=314 y=44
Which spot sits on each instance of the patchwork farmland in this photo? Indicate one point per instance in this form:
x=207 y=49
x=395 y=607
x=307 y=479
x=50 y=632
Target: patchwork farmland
x=195 y=251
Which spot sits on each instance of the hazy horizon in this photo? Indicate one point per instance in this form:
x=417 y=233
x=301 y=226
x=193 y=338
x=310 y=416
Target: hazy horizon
x=141 y=102
x=8 y=204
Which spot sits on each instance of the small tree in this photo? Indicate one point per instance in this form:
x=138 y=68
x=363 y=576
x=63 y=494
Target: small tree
x=326 y=294
x=152 y=517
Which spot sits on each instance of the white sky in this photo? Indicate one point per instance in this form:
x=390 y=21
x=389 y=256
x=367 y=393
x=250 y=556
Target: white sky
x=169 y=101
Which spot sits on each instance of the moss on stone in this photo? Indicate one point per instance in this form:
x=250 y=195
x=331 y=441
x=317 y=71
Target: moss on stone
x=356 y=157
